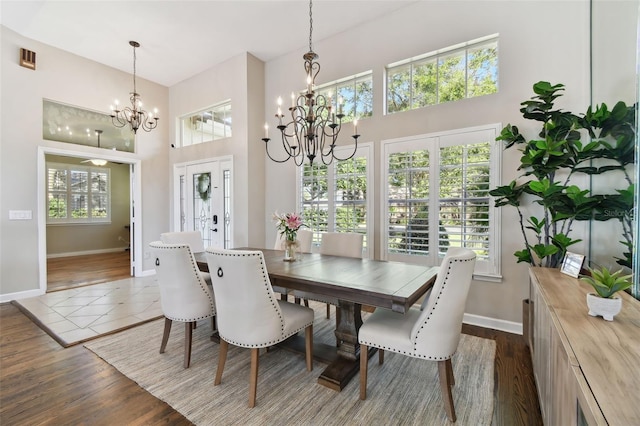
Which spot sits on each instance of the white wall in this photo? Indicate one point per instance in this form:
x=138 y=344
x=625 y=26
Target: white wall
x=539 y=40
x=70 y=79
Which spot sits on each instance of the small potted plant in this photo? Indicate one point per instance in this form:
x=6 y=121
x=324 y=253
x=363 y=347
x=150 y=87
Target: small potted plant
x=606 y=284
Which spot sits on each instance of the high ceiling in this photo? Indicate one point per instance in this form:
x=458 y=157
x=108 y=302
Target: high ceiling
x=180 y=39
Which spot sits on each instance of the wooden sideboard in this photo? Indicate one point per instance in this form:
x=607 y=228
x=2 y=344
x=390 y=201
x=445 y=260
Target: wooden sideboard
x=587 y=370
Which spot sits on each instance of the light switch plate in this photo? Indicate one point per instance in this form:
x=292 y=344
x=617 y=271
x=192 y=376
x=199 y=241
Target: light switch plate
x=20 y=215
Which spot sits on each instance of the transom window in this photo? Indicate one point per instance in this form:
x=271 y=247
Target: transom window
x=334 y=198
x=450 y=74
x=207 y=125
x=78 y=194
x=437 y=196
x=353 y=96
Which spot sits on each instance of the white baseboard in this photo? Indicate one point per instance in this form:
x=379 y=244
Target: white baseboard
x=20 y=295
x=82 y=253
x=147 y=273
x=494 y=323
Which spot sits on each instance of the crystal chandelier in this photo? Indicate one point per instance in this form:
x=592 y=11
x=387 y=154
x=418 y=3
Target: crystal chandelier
x=315 y=125
x=134 y=115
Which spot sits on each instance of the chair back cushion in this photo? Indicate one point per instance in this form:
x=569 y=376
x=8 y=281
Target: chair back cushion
x=248 y=312
x=193 y=238
x=346 y=244
x=305 y=238
x=436 y=333
x=184 y=295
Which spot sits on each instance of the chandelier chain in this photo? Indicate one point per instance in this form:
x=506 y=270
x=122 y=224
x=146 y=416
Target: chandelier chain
x=134 y=69
x=310 y=26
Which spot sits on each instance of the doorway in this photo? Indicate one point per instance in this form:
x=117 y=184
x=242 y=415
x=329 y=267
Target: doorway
x=129 y=237
x=202 y=200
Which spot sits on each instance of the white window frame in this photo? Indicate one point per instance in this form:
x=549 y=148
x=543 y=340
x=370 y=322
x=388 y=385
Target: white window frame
x=352 y=80
x=69 y=192
x=436 y=56
x=213 y=108
x=364 y=150
x=489 y=270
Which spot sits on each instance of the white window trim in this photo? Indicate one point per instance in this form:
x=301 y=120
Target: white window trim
x=180 y=123
x=435 y=55
x=364 y=150
x=486 y=271
x=81 y=221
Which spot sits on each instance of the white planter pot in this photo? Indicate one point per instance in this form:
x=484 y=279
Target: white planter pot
x=606 y=308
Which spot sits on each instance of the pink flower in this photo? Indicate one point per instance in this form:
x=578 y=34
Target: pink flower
x=288 y=224
x=294 y=222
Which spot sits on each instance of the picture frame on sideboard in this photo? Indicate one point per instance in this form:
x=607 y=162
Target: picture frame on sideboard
x=572 y=264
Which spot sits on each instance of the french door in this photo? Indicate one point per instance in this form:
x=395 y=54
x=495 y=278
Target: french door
x=203 y=200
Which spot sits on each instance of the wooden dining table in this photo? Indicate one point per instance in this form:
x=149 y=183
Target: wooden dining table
x=354 y=282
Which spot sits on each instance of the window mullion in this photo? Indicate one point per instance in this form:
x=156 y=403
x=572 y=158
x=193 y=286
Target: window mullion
x=434 y=201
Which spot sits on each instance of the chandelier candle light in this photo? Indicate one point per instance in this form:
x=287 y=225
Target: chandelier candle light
x=315 y=125
x=134 y=115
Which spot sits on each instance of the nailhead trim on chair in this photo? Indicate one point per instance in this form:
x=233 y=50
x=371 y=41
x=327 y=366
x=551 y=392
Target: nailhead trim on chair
x=413 y=354
x=203 y=284
x=266 y=280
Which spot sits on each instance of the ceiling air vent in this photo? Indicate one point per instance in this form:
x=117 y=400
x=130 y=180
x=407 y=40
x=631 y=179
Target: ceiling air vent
x=27 y=58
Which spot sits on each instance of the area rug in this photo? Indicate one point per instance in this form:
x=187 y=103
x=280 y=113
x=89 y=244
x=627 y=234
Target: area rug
x=401 y=391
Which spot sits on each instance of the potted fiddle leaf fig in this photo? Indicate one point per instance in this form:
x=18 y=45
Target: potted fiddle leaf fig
x=606 y=284
x=547 y=201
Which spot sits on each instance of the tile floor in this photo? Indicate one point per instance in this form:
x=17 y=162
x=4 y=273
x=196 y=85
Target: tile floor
x=75 y=315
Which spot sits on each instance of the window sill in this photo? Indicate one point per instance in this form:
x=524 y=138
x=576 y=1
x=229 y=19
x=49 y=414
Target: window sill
x=488 y=277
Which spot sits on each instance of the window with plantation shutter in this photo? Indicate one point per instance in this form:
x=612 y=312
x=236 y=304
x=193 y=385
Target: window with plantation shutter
x=78 y=194
x=463 y=213
x=437 y=196
x=333 y=198
x=408 y=202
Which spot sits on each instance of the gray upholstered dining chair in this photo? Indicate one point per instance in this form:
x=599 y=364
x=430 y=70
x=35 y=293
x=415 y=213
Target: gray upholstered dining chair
x=249 y=315
x=305 y=238
x=193 y=238
x=184 y=295
x=346 y=244
x=431 y=332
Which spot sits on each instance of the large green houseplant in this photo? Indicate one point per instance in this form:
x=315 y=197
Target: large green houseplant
x=599 y=141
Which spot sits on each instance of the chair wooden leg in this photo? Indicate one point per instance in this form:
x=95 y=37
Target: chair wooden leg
x=214 y=327
x=380 y=356
x=364 y=361
x=188 y=329
x=195 y=324
x=308 y=340
x=296 y=300
x=452 y=381
x=328 y=311
x=306 y=302
x=165 y=335
x=445 y=388
x=253 y=379
x=222 y=357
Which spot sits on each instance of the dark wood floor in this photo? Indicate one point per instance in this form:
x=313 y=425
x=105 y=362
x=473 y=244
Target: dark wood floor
x=43 y=383
x=76 y=271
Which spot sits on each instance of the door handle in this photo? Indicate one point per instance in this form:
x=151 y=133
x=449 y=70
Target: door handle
x=215 y=229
